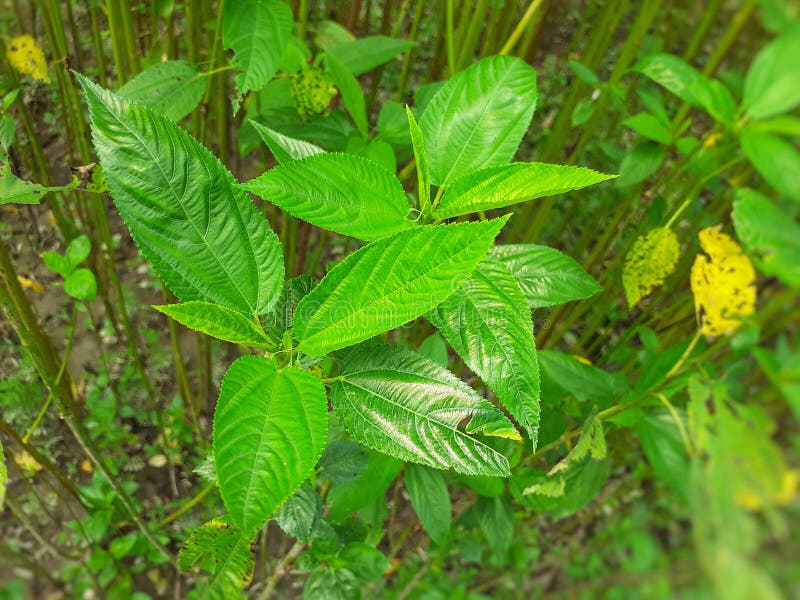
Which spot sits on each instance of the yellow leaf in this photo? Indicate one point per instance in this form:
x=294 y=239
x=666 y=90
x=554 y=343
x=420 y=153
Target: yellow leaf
x=27 y=57
x=26 y=462
x=651 y=260
x=722 y=282
x=30 y=284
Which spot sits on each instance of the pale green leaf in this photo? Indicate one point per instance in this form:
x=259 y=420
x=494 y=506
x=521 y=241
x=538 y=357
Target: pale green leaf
x=81 y=285
x=173 y=88
x=14 y=189
x=270 y=428
x=430 y=499
x=218 y=321
x=488 y=323
x=421 y=157
x=478 y=118
x=363 y=54
x=78 y=251
x=546 y=276
x=258 y=32
x=283 y=148
x=768 y=233
x=651 y=259
x=400 y=403
x=347 y=194
x=772 y=85
x=639 y=163
x=204 y=237
x=352 y=94
x=504 y=185
x=592 y=442
x=221 y=550
x=389 y=282
x=434 y=348
x=776 y=159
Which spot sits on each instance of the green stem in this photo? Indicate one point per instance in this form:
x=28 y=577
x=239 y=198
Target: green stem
x=530 y=12
x=186 y=507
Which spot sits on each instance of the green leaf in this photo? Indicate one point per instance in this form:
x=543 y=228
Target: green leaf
x=258 y=32
x=583 y=73
x=219 y=549
x=339 y=192
x=664 y=449
x=772 y=85
x=434 y=348
x=400 y=403
x=586 y=382
x=218 y=321
x=78 y=251
x=343 y=461
x=496 y=520
x=776 y=159
x=348 y=497
x=361 y=55
x=430 y=498
x=389 y=282
x=651 y=259
x=504 y=185
x=300 y=514
x=173 y=88
x=591 y=442
x=270 y=428
x=204 y=237
x=769 y=233
x=650 y=127
x=81 y=285
x=366 y=563
x=488 y=323
x=281 y=318
x=14 y=189
x=639 y=163
x=352 y=94
x=546 y=276
x=283 y=148
x=421 y=157
x=325 y=583
x=392 y=124
x=478 y=118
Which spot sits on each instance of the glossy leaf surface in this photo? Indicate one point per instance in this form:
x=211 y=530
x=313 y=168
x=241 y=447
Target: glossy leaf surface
x=546 y=276
x=488 y=323
x=504 y=185
x=343 y=193
x=478 y=118
x=400 y=403
x=217 y=321
x=284 y=148
x=389 y=282
x=270 y=428
x=204 y=237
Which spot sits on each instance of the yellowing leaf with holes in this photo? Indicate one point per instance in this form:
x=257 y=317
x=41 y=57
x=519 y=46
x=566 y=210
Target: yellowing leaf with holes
x=722 y=282
x=651 y=260
x=27 y=57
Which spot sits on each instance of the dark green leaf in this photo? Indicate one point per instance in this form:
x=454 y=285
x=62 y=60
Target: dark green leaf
x=346 y=498
x=352 y=94
x=664 y=449
x=299 y=515
x=343 y=461
x=173 y=88
x=639 y=163
x=366 y=563
x=586 y=382
x=496 y=520
x=650 y=127
x=431 y=500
